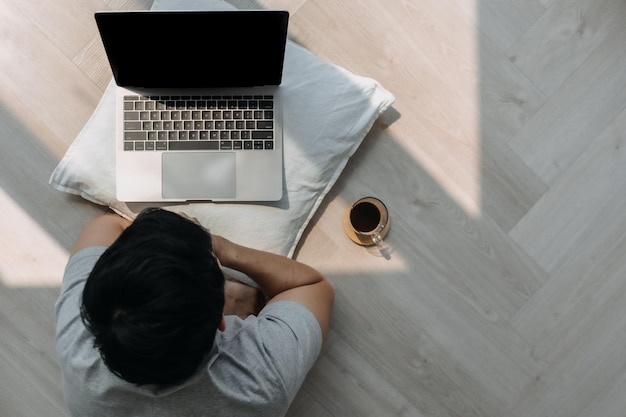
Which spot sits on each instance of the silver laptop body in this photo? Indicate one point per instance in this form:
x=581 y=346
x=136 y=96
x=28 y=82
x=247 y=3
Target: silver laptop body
x=198 y=110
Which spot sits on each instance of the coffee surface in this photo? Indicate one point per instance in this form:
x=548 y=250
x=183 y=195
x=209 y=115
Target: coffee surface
x=365 y=217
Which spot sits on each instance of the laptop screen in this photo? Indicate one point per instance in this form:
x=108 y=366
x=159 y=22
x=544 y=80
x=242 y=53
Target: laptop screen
x=154 y=49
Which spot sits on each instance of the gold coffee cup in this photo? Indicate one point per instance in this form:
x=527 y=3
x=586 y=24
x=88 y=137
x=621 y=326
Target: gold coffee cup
x=366 y=221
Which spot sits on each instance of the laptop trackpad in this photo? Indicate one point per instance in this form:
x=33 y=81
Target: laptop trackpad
x=198 y=175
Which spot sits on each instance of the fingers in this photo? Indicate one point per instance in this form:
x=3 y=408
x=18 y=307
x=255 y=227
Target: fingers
x=186 y=216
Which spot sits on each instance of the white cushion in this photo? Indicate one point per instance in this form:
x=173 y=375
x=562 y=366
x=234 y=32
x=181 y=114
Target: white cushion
x=327 y=113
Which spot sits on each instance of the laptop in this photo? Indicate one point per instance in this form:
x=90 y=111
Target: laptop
x=198 y=112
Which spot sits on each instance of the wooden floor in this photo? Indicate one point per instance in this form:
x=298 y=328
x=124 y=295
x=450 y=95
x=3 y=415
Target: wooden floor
x=504 y=170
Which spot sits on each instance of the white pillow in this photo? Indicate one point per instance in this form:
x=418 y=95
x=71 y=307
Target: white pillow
x=327 y=113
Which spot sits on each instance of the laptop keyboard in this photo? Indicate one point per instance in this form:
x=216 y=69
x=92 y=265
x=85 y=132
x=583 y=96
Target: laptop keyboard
x=160 y=123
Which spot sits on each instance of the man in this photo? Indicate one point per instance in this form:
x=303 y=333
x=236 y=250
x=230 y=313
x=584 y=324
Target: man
x=143 y=324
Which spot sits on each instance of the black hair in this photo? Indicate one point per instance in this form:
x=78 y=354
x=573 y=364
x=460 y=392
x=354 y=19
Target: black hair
x=154 y=300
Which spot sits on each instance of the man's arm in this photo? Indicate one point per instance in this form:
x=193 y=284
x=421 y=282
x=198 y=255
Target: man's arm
x=100 y=231
x=280 y=278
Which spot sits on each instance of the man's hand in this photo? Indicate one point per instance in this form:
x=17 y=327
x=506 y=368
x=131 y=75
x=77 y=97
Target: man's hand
x=242 y=300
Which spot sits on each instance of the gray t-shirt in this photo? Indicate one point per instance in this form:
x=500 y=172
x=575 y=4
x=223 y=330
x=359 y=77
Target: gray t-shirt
x=255 y=368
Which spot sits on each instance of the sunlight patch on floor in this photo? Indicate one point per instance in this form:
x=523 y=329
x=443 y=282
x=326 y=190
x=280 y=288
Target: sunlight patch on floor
x=446 y=142
x=29 y=256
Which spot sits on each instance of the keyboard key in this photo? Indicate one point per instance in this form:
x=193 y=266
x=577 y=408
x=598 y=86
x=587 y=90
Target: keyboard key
x=265 y=124
x=266 y=104
x=132 y=125
x=193 y=145
x=135 y=135
x=262 y=134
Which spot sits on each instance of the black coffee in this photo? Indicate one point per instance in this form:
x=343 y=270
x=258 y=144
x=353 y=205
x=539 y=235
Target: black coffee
x=364 y=217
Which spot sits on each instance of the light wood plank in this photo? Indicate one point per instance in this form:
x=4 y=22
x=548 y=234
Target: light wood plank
x=502 y=22
x=31 y=65
x=61 y=22
x=582 y=370
x=582 y=208
x=577 y=113
x=564 y=38
x=576 y=234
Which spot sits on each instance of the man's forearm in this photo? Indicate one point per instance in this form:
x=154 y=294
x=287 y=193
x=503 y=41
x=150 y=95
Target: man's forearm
x=273 y=273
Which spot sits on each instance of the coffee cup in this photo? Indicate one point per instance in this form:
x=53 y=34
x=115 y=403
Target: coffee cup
x=366 y=221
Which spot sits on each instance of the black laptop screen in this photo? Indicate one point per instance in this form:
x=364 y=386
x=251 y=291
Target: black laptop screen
x=194 y=49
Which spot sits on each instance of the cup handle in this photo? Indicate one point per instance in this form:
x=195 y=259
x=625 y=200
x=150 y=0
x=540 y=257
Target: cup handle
x=378 y=240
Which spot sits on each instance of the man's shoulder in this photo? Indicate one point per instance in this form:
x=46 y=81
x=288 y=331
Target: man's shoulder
x=80 y=265
x=283 y=331
x=277 y=349
x=276 y=317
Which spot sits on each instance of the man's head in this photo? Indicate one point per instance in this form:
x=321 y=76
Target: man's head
x=155 y=299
